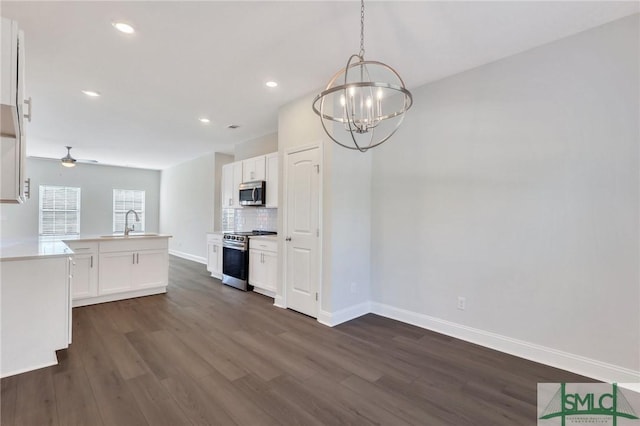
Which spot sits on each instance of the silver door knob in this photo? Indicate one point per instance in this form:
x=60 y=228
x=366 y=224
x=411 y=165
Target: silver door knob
x=288 y=239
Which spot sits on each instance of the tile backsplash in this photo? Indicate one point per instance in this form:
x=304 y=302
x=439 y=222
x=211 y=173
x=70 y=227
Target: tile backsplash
x=248 y=219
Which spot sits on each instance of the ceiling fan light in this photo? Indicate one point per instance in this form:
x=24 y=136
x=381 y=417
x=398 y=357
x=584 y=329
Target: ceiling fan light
x=68 y=160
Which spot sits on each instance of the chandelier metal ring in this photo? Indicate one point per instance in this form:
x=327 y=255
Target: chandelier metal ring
x=318 y=104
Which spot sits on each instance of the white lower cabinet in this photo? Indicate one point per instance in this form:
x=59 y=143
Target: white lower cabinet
x=118 y=269
x=214 y=254
x=132 y=270
x=85 y=270
x=115 y=272
x=263 y=263
x=150 y=269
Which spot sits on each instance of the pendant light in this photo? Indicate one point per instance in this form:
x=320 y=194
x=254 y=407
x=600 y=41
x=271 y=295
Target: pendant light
x=68 y=160
x=364 y=103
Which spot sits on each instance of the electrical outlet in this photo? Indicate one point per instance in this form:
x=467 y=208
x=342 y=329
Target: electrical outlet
x=354 y=288
x=462 y=303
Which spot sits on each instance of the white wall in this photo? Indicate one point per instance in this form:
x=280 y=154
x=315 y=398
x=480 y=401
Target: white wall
x=189 y=204
x=255 y=147
x=96 y=182
x=515 y=185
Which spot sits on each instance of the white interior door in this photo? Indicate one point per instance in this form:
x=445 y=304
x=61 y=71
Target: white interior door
x=302 y=231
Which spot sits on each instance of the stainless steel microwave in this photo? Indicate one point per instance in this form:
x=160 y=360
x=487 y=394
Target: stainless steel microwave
x=253 y=193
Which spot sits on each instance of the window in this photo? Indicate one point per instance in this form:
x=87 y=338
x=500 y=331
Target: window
x=123 y=201
x=59 y=210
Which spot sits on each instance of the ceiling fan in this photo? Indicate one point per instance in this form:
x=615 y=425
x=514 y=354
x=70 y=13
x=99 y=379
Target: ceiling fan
x=69 y=161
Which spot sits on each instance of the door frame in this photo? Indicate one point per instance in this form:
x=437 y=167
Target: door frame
x=285 y=198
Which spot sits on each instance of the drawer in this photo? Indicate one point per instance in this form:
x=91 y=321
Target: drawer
x=263 y=244
x=81 y=247
x=214 y=237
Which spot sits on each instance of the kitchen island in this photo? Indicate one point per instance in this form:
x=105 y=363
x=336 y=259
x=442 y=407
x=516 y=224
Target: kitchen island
x=35 y=303
x=41 y=280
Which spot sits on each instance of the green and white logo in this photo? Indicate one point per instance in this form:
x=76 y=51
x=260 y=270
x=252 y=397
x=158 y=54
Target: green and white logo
x=586 y=404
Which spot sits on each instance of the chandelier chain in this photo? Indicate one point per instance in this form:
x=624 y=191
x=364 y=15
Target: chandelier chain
x=361 y=54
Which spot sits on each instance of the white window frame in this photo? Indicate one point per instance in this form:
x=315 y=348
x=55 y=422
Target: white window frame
x=139 y=226
x=42 y=190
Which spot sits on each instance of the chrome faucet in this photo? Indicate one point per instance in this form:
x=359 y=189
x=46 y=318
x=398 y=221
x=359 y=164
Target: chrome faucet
x=126 y=221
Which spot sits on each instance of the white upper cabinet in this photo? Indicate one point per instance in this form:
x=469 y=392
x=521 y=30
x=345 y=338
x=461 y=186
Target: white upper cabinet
x=272 y=180
x=254 y=169
x=231 y=180
x=12 y=87
x=14 y=188
x=264 y=167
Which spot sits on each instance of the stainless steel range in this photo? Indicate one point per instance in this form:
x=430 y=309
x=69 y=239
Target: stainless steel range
x=235 y=258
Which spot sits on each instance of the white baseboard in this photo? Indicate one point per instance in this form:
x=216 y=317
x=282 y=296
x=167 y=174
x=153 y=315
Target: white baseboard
x=279 y=302
x=332 y=319
x=119 y=296
x=537 y=353
x=30 y=368
x=264 y=292
x=188 y=256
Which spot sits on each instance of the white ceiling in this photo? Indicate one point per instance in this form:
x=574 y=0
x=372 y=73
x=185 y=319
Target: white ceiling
x=192 y=59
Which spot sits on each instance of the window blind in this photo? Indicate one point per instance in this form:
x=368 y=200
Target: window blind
x=123 y=201
x=59 y=210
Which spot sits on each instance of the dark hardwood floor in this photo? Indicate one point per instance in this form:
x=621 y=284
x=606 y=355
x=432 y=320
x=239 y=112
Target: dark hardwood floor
x=207 y=354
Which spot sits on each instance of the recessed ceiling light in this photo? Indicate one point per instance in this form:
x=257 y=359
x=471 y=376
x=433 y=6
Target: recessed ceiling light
x=233 y=126
x=91 y=93
x=123 y=27
x=271 y=84
x=204 y=120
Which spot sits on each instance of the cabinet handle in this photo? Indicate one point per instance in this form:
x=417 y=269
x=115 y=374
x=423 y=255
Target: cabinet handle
x=92 y=261
x=230 y=202
x=138 y=258
x=27 y=188
x=133 y=259
x=30 y=103
x=288 y=239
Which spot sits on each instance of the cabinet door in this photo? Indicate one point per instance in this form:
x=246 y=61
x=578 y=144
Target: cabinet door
x=85 y=276
x=115 y=272
x=256 y=268
x=214 y=259
x=270 y=264
x=253 y=169
x=151 y=269
x=237 y=180
x=272 y=180
x=219 y=263
x=227 y=185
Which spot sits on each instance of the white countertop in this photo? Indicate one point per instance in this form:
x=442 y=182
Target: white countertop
x=33 y=248
x=107 y=237
x=264 y=237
